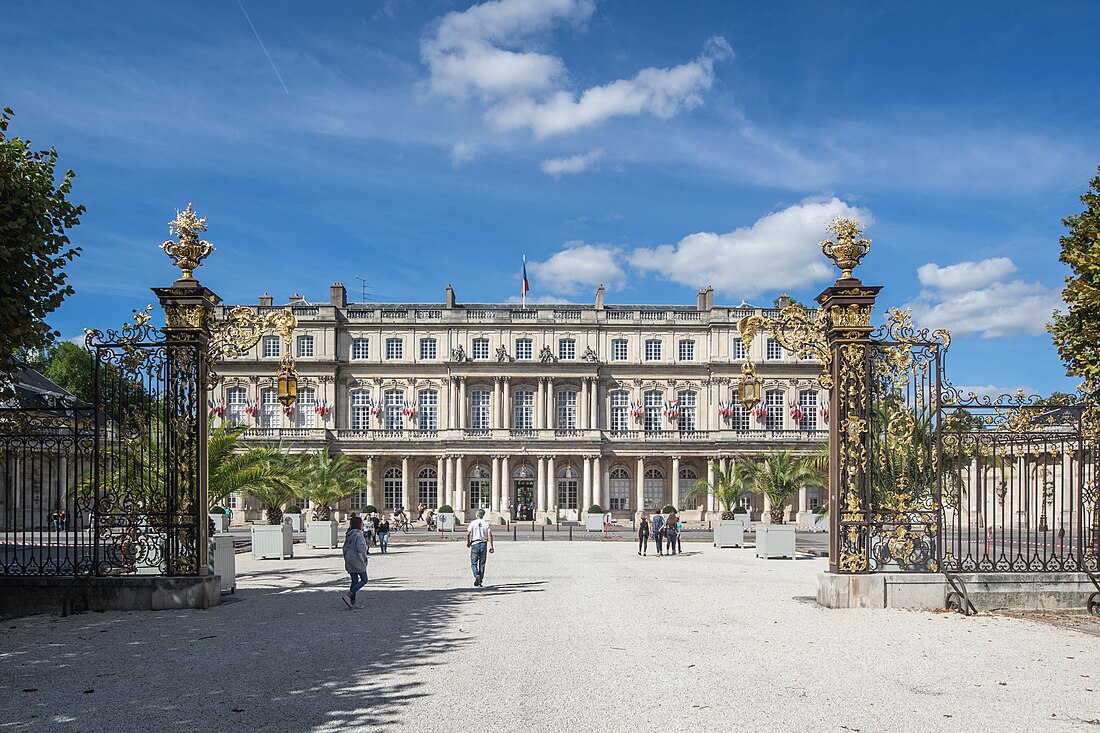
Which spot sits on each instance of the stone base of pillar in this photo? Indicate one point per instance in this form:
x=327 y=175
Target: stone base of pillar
x=802 y=519
x=504 y=518
x=545 y=518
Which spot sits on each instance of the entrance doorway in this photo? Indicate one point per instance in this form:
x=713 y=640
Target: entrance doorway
x=524 y=499
x=568 y=495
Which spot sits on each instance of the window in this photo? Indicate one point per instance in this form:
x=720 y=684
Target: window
x=305 y=346
x=269 y=409
x=236 y=399
x=272 y=347
x=773 y=403
x=233 y=501
x=427 y=409
x=360 y=410
x=620 y=411
x=524 y=349
x=391 y=488
x=481 y=348
x=653 y=489
x=775 y=351
x=567 y=349
x=687 y=480
x=686 y=421
x=394 y=349
x=523 y=415
x=304 y=408
x=618 y=489
x=567 y=410
x=807 y=403
x=361 y=500
x=479 y=487
x=687 y=350
x=567 y=488
x=739 y=350
x=426 y=484
x=360 y=349
x=653 y=405
x=427 y=349
x=653 y=350
x=479 y=409
x=619 y=350
x=394 y=400
x=741 y=417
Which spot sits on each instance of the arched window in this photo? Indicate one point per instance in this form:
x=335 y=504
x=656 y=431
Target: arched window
x=304 y=409
x=269 y=408
x=654 y=404
x=394 y=402
x=773 y=403
x=568 y=488
x=427 y=483
x=687 y=480
x=523 y=414
x=523 y=472
x=618 y=489
x=478 y=478
x=391 y=488
x=686 y=421
x=653 y=488
x=360 y=410
x=236 y=399
x=620 y=411
x=427 y=409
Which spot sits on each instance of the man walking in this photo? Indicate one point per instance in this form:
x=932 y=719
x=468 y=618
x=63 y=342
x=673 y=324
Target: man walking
x=656 y=524
x=479 y=538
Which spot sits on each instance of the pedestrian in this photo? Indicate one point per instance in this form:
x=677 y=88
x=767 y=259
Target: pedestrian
x=643 y=535
x=680 y=537
x=479 y=538
x=228 y=516
x=672 y=523
x=368 y=532
x=355 y=560
x=606 y=522
x=656 y=529
x=384 y=534
x=374 y=524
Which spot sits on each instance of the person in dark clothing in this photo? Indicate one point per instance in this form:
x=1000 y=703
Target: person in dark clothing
x=643 y=534
x=384 y=534
x=672 y=525
x=656 y=528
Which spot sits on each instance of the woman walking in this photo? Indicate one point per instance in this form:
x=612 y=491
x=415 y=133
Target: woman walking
x=643 y=534
x=355 y=560
x=672 y=525
x=384 y=534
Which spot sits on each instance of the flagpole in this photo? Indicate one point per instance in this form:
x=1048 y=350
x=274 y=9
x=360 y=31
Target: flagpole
x=523 y=284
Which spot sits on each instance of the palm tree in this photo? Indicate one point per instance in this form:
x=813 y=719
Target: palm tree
x=727 y=489
x=233 y=470
x=777 y=475
x=328 y=479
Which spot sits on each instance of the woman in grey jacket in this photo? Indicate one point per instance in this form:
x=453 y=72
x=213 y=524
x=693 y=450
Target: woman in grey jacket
x=355 y=560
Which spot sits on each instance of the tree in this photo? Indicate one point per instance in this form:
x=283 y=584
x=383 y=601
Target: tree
x=328 y=479
x=728 y=488
x=777 y=475
x=35 y=213
x=253 y=471
x=1076 y=333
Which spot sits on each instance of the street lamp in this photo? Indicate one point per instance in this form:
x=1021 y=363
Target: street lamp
x=288 y=385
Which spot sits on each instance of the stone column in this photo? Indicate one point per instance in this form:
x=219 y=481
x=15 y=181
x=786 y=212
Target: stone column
x=463 y=410
x=540 y=404
x=494 y=486
x=551 y=404
x=582 y=406
x=449 y=483
x=710 y=480
x=540 y=484
x=599 y=484
x=586 y=484
x=374 y=487
x=440 y=486
x=551 y=488
x=676 y=483
x=406 y=494
x=766 y=514
x=494 y=411
x=803 y=518
x=505 y=487
x=451 y=399
x=639 y=496
x=594 y=405
x=506 y=408
x=461 y=502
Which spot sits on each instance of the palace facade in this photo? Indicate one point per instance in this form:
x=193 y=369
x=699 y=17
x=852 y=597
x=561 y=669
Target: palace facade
x=533 y=413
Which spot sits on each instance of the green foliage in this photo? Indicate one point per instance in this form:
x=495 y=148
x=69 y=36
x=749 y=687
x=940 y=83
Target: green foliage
x=293 y=509
x=446 y=509
x=327 y=480
x=728 y=488
x=595 y=509
x=668 y=509
x=71 y=368
x=777 y=475
x=35 y=213
x=1076 y=333
x=217 y=510
x=370 y=509
x=265 y=473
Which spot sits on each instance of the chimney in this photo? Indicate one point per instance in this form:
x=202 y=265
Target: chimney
x=599 y=297
x=265 y=301
x=296 y=298
x=701 y=300
x=710 y=297
x=338 y=295
x=782 y=301
x=450 y=296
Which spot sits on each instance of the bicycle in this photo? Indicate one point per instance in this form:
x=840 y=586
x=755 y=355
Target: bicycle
x=402 y=525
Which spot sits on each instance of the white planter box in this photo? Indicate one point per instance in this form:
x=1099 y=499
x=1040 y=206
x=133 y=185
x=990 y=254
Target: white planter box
x=775 y=540
x=744 y=519
x=297 y=522
x=323 y=534
x=445 y=522
x=729 y=533
x=593 y=522
x=818 y=523
x=225 y=560
x=221 y=522
x=272 y=540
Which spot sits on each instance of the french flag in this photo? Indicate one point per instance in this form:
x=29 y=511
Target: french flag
x=526 y=284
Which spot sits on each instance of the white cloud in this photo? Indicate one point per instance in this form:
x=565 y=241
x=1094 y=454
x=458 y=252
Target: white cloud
x=576 y=267
x=557 y=167
x=779 y=252
x=973 y=297
x=462 y=152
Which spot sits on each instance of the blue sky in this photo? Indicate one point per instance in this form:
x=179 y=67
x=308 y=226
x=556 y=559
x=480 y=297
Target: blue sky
x=656 y=147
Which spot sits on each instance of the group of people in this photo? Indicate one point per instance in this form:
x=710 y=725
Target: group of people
x=665 y=530
x=59 y=520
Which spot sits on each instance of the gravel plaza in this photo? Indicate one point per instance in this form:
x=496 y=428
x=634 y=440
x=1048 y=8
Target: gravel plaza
x=564 y=636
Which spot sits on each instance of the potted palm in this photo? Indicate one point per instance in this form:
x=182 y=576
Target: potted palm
x=777 y=475
x=220 y=519
x=326 y=481
x=593 y=520
x=727 y=489
x=445 y=518
x=276 y=538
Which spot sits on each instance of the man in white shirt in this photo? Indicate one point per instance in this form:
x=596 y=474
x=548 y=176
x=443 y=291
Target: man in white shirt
x=479 y=538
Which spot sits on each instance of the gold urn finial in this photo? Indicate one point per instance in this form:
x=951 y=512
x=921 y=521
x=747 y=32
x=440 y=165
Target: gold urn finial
x=188 y=253
x=849 y=247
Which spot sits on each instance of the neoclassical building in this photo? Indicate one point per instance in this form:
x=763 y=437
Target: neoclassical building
x=531 y=412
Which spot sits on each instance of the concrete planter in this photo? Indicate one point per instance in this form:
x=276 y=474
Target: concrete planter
x=593 y=522
x=818 y=523
x=775 y=540
x=272 y=540
x=225 y=561
x=323 y=534
x=297 y=522
x=221 y=522
x=729 y=533
x=445 y=522
x=746 y=523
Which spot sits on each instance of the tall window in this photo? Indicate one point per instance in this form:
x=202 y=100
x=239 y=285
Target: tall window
x=775 y=351
x=305 y=346
x=618 y=489
x=391 y=488
x=360 y=410
x=653 y=488
x=479 y=409
x=653 y=350
x=361 y=500
x=567 y=410
x=741 y=417
x=524 y=349
x=272 y=346
x=687 y=350
x=426 y=483
x=686 y=421
x=427 y=349
x=523 y=415
x=394 y=349
x=567 y=349
x=619 y=350
x=269 y=408
x=427 y=409
x=739 y=350
x=807 y=402
x=481 y=348
x=620 y=411
x=360 y=349
x=567 y=488
x=687 y=480
x=305 y=415
x=653 y=402
x=773 y=402
x=236 y=398
x=394 y=400
x=479 y=487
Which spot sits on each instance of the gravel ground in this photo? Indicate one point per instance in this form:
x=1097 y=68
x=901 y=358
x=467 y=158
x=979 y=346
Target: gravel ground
x=565 y=636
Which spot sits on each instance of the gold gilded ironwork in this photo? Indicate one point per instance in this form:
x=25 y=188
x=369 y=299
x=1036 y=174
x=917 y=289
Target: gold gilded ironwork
x=803 y=333
x=243 y=327
x=849 y=247
x=189 y=252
